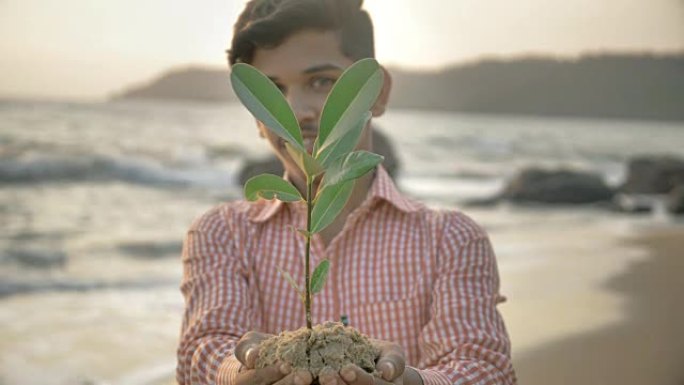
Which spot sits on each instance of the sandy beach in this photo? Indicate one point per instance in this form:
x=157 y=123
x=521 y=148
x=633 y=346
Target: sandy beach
x=645 y=346
x=97 y=203
x=593 y=298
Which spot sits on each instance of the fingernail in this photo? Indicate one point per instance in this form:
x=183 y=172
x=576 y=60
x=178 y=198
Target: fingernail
x=250 y=357
x=298 y=380
x=348 y=374
x=326 y=380
x=285 y=368
x=387 y=370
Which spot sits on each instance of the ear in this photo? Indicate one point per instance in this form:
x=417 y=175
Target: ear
x=381 y=104
x=260 y=128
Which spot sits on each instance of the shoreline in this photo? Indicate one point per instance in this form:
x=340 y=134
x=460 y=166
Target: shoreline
x=645 y=347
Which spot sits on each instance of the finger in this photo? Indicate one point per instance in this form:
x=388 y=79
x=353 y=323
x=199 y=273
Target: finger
x=298 y=377
x=249 y=356
x=391 y=363
x=302 y=377
x=387 y=369
x=330 y=377
x=246 y=349
x=263 y=376
x=353 y=375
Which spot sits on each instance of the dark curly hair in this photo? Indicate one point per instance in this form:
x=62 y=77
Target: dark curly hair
x=267 y=23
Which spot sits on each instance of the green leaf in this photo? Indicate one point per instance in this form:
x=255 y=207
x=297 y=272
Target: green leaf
x=354 y=93
x=306 y=162
x=319 y=276
x=345 y=144
x=305 y=234
x=269 y=186
x=352 y=166
x=265 y=101
x=292 y=282
x=329 y=203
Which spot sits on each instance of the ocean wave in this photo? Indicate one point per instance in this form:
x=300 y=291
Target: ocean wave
x=10 y=286
x=67 y=168
x=151 y=249
x=451 y=189
x=35 y=257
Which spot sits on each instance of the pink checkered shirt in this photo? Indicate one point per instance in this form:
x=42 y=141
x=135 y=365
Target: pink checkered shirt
x=422 y=278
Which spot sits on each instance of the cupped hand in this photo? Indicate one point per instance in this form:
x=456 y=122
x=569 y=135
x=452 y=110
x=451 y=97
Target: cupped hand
x=391 y=361
x=279 y=374
x=351 y=374
x=390 y=365
x=247 y=348
x=247 y=352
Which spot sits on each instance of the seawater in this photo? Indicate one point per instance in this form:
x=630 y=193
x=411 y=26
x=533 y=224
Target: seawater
x=95 y=200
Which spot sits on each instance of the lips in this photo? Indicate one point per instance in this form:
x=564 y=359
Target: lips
x=309 y=143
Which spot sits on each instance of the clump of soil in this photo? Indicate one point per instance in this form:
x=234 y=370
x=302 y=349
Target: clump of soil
x=330 y=345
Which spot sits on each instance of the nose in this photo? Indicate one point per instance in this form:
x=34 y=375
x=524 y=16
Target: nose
x=304 y=109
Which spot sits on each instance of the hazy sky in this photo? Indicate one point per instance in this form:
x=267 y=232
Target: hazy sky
x=90 y=48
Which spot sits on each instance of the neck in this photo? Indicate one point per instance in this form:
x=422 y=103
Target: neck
x=360 y=192
x=358 y=196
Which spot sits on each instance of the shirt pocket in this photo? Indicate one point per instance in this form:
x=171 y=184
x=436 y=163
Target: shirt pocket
x=387 y=285
x=400 y=321
x=391 y=294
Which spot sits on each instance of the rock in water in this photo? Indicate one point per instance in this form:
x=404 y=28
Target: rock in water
x=559 y=186
x=330 y=345
x=653 y=175
x=253 y=168
x=634 y=203
x=38 y=257
x=675 y=200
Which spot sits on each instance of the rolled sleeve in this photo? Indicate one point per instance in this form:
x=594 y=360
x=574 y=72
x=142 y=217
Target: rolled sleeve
x=217 y=306
x=465 y=340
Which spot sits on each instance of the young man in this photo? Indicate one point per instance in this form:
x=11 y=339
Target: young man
x=422 y=283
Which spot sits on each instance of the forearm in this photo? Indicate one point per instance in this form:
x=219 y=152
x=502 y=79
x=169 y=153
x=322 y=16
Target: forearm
x=412 y=377
x=207 y=346
x=216 y=303
x=469 y=373
x=208 y=341
x=207 y=360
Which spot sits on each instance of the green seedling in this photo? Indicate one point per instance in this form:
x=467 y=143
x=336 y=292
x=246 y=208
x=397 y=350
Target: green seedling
x=343 y=118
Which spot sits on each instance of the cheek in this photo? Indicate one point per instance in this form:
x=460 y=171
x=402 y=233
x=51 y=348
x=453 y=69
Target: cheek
x=263 y=131
x=275 y=141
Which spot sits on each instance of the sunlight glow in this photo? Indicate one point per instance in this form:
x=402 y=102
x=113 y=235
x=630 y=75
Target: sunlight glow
x=87 y=49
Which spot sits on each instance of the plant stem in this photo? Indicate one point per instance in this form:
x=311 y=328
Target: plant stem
x=307 y=255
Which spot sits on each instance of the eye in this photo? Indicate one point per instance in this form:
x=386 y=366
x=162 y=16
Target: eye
x=323 y=83
x=281 y=87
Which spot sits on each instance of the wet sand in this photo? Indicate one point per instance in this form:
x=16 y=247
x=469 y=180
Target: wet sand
x=645 y=347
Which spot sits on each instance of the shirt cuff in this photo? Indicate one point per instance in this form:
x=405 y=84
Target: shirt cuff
x=228 y=370
x=432 y=377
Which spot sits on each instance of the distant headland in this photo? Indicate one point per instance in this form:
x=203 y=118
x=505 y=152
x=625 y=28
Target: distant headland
x=622 y=86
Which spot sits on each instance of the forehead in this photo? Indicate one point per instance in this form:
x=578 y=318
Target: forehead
x=299 y=52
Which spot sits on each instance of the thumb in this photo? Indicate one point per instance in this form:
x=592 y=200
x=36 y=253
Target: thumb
x=391 y=361
x=387 y=369
x=247 y=348
x=251 y=355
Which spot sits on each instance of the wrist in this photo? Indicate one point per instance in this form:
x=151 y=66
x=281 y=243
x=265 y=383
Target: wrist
x=228 y=370
x=412 y=377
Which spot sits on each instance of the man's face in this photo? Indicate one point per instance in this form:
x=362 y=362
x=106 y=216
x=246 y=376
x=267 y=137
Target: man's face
x=305 y=67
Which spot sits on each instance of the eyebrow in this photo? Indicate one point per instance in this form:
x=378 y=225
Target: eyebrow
x=322 y=67
x=314 y=69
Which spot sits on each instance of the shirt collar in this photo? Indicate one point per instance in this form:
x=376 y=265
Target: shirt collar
x=382 y=189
